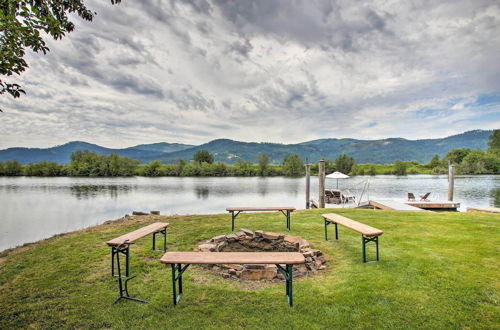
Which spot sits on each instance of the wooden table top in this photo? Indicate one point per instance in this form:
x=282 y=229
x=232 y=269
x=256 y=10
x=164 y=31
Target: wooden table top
x=265 y=208
x=354 y=225
x=136 y=234
x=291 y=258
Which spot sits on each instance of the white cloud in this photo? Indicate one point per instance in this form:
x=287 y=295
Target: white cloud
x=192 y=71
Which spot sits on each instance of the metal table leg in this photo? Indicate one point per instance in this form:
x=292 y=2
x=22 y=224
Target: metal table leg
x=123 y=279
x=288 y=274
x=177 y=271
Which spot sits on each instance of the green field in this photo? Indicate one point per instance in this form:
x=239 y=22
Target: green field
x=437 y=270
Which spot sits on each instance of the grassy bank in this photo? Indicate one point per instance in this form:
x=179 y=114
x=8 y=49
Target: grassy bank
x=437 y=270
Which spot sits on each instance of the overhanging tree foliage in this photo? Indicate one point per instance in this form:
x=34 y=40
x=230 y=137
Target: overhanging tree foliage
x=23 y=24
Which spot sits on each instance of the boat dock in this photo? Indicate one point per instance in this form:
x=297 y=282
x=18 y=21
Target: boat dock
x=436 y=205
x=390 y=204
x=387 y=204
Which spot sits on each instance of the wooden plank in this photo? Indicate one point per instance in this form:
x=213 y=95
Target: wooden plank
x=484 y=209
x=394 y=205
x=291 y=258
x=136 y=234
x=270 y=208
x=434 y=205
x=354 y=225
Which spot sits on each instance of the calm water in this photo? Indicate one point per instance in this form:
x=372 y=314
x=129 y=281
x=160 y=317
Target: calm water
x=35 y=208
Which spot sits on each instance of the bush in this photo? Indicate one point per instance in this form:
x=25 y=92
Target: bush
x=400 y=167
x=344 y=164
x=12 y=168
x=480 y=162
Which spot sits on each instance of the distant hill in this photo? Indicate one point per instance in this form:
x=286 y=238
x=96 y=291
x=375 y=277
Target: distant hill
x=61 y=154
x=229 y=151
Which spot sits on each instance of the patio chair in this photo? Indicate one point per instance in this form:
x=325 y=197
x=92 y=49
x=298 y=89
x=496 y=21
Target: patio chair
x=411 y=197
x=332 y=196
x=424 y=197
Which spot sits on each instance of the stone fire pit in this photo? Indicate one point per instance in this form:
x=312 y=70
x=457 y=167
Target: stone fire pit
x=259 y=241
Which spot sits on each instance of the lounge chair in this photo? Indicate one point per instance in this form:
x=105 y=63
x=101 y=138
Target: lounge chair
x=424 y=197
x=332 y=196
x=411 y=197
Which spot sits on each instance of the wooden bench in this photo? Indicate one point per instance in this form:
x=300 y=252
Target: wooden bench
x=368 y=234
x=286 y=210
x=122 y=244
x=177 y=259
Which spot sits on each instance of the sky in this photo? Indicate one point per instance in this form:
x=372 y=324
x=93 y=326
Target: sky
x=264 y=71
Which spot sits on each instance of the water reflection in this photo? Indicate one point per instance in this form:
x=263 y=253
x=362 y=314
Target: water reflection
x=201 y=192
x=495 y=196
x=91 y=191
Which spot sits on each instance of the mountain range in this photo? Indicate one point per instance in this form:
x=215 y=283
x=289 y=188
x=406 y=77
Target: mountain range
x=229 y=151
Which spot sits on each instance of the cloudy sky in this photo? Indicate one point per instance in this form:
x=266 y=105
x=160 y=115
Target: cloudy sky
x=275 y=71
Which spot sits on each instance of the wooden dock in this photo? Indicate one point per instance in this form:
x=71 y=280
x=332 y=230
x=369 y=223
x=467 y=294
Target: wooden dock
x=315 y=205
x=390 y=204
x=435 y=205
x=484 y=209
x=387 y=204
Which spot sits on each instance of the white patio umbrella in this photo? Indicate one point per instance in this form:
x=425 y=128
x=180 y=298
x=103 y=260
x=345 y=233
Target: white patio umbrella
x=337 y=175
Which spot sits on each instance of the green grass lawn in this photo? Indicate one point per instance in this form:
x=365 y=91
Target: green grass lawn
x=437 y=270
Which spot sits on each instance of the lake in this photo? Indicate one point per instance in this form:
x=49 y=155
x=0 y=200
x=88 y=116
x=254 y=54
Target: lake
x=33 y=208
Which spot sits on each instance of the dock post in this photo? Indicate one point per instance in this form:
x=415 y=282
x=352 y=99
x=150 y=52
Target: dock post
x=451 y=181
x=321 y=176
x=308 y=185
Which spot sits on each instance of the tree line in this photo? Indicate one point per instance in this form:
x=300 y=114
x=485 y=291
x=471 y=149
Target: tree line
x=91 y=164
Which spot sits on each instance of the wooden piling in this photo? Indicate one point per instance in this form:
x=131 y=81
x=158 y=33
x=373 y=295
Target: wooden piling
x=308 y=185
x=321 y=176
x=451 y=181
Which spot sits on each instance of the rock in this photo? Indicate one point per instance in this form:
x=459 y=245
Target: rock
x=221 y=246
x=139 y=213
x=247 y=232
x=291 y=239
x=270 y=235
x=322 y=267
x=218 y=239
x=322 y=259
x=258 y=274
x=207 y=247
x=303 y=243
x=232 y=271
x=231 y=237
x=258 y=233
x=240 y=234
x=255 y=266
x=233 y=266
x=271 y=267
x=309 y=259
x=315 y=251
x=308 y=254
x=317 y=263
x=155 y=212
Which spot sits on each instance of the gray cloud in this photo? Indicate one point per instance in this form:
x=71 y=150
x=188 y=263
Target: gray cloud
x=282 y=71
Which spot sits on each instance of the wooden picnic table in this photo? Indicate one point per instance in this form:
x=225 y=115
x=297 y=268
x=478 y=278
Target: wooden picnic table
x=286 y=210
x=177 y=259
